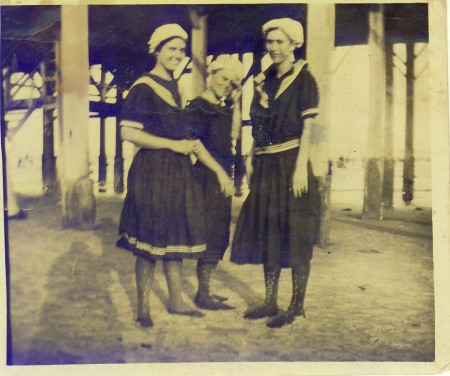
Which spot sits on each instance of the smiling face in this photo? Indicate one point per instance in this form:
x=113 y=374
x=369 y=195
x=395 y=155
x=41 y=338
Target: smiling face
x=171 y=54
x=279 y=46
x=222 y=82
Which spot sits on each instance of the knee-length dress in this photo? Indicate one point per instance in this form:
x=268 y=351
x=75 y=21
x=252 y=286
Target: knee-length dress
x=163 y=212
x=212 y=123
x=274 y=227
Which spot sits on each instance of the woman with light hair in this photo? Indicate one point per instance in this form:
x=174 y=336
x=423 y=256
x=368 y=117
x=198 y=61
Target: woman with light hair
x=276 y=226
x=214 y=118
x=163 y=213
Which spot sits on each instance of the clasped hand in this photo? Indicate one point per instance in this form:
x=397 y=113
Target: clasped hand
x=196 y=147
x=185 y=147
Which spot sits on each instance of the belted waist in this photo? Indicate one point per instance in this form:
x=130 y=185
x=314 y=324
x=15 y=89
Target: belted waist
x=277 y=148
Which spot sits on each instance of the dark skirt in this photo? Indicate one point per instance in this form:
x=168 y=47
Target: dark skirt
x=163 y=215
x=275 y=228
x=218 y=215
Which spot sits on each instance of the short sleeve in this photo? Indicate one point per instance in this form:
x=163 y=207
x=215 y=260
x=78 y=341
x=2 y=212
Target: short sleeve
x=136 y=108
x=309 y=95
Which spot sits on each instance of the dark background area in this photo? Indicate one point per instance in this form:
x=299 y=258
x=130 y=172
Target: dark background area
x=118 y=34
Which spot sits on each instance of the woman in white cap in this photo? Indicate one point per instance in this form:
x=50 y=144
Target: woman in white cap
x=276 y=226
x=163 y=213
x=214 y=118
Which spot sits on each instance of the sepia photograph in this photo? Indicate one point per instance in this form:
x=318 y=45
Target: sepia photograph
x=225 y=188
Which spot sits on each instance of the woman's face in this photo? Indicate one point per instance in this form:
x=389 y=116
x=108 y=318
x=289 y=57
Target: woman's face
x=222 y=82
x=171 y=54
x=279 y=46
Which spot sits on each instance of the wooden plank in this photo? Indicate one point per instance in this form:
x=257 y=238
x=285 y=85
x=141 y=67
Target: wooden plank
x=49 y=180
x=320 y=47
x=198 y=48
x=118 y=158
x=372 y=208
x=388 y=168
x=78 y=202
x=408 y=163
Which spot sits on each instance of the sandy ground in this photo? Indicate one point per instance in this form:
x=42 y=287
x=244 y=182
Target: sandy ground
x=73 y=299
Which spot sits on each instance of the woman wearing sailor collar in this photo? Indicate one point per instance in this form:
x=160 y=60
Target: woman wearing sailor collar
x=214 y=118
x=277 y=224
x=163 y=213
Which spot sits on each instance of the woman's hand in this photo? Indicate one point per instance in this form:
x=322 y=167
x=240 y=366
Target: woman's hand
x=184 y=146
x=226 y=184
x=300 y=181
x=236 y=93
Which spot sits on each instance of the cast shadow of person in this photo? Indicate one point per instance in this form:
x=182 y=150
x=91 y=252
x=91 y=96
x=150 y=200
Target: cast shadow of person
x=78 y=320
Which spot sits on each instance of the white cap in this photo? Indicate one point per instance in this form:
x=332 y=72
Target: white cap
x=293 y=29
x=230 y=63
x=165 y=32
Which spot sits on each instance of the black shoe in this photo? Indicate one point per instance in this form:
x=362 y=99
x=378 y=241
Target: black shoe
x=286 y=318
x=145 y=322
x=210 y=303
x=21 y=215
x=219 y=298
x=261 y=312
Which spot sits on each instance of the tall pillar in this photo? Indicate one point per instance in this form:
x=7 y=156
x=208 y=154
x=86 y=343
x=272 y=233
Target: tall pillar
x=440 y=170
x=118 y=158
x=408 y=164
x=48 y=70
x=102 y=165
x=388 y=168
x=198 y=49
x=373 y=184
x=78 y=202
x=319 y=52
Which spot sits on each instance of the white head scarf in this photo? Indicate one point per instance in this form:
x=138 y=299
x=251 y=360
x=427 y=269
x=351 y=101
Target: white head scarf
x=230 y=63
x=165 y=32
x=293 y=29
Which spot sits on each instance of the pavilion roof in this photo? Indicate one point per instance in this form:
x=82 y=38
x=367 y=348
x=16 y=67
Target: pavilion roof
x=118 y=34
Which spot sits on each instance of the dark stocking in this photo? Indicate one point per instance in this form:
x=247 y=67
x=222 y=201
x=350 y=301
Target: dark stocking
x=173 y=270
x=269 y=308
x=145 y=271
x=204 y=299
x=300 y=275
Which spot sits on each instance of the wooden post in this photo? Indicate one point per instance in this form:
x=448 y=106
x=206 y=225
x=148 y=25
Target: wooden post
x=118 y=158
x=388 y=169
x=320 y=47
x=7 y=87
x=199 y=49
x=102 y=154
x=373 y=208
x=408 y=163
x=48 y=73
x=78 y=202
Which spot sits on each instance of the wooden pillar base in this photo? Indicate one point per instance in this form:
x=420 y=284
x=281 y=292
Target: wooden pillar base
x=388 y=183
x=408 y=180
x=78 y=204
x=49 y=174
x=118 y=175
x=373 y=188
x=102 y=166
x=324 y=225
